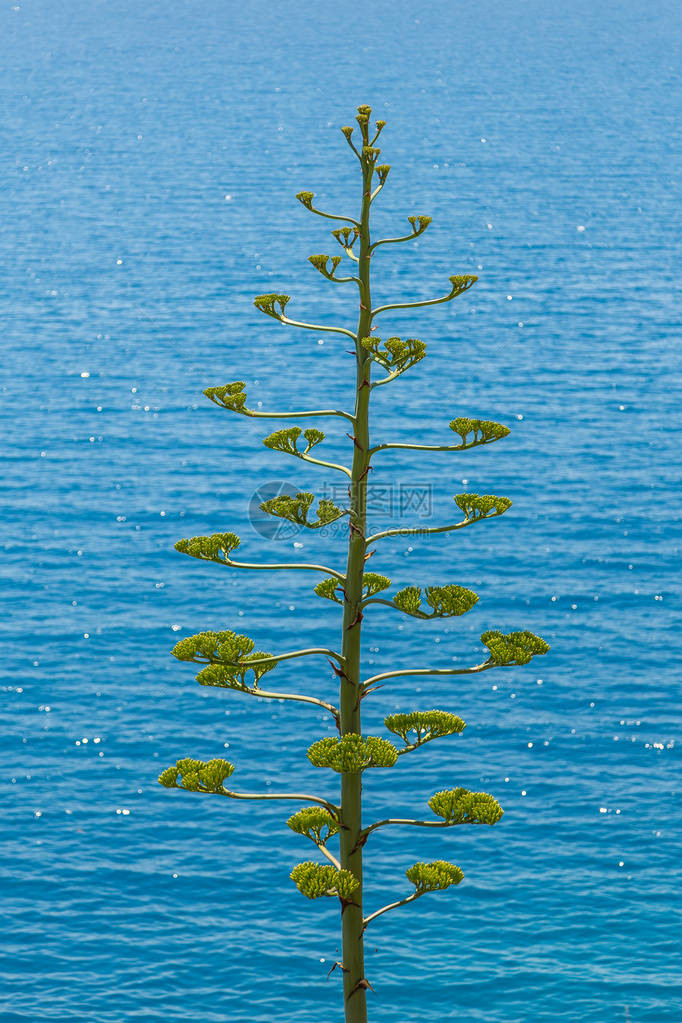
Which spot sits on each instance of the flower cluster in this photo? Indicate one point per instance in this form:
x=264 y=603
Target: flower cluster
x=352 y=753
x=197 y=775
x=461 y=283
x=267 y=304
x=514 y=647
x=221 y=677
x=485 y=431
x=372 y=583
x=312 y=821
x=286 y=440
x=397 y=355
x=481 y=506
x=306 y=199
x=408 y=600
x=459 y=806
x=230 y=396
x=328 y=589
x=346 y=236
x=321 y=263
x=433 y=877
x=419 y=224
x=227 y=656
x=295 y=509
x=445 y=601
x=227 y=647
x=209 y=548
x=371 y=153
x=314 y=880
x=425 y=724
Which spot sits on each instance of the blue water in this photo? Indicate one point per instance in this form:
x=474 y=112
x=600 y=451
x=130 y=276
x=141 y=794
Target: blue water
x=150 y=154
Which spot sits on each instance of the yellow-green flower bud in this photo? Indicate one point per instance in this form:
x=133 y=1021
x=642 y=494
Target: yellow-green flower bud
x=434 y=877
x=420 y=726
x=352 y=753
x=477 y=506
x=315 y=880
x=328 y=589
x=315 y=823
x=514 y=647
x=459 y=806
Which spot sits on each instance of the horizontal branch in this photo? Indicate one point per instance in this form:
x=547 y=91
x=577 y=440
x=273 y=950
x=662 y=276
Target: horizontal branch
x=390 y=603
x=297 y=567
x=305 y=198
x=293 y=415
x=293 y=696
x=423 y=223
x=299 y=797
x=319 y=461
x=345 y=280
x=232 y=397
x=417 y=531
x=426 y=447
x=421 y=824
x=316 y=327
x=428 y=671
x=333 y=216
x=394 y=241
x=275 y=658
x=459 y=285
x=393 y=905
x=411 y=305
x=386 y=380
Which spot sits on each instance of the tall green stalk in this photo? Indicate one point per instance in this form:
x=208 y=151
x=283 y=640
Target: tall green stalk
x=352 y=921
x=228 y=658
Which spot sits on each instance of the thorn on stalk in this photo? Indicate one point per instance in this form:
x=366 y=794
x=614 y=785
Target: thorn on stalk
x=361 y=985
x=362 y=838
x=366 y=692
x=351 y=436
x=339 y=672
x=367 y=469
x=356 y=620
x=340 y=966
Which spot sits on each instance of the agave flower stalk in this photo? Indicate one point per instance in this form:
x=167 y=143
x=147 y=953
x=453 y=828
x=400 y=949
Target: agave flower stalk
x=229 y=661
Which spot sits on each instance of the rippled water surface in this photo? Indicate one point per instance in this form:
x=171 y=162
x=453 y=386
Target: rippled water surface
x=151 y=154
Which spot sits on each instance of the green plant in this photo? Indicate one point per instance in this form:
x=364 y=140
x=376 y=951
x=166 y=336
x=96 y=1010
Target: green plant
x=229 y=661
